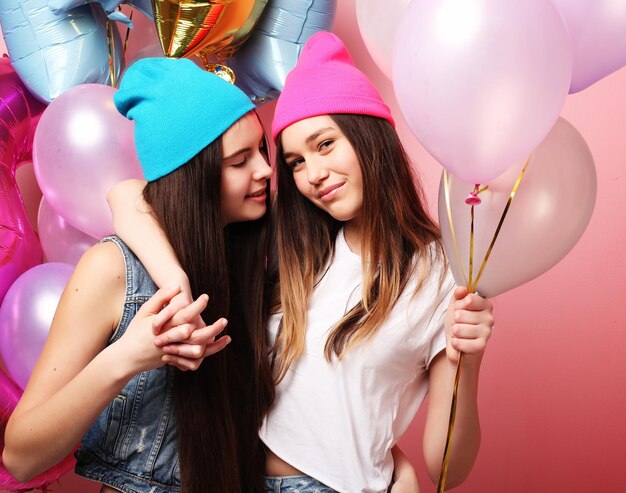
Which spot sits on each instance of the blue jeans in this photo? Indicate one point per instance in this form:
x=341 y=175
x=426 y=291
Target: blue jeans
x=294 y=484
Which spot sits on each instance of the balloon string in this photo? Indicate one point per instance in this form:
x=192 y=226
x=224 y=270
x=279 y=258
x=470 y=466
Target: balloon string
x=500 y=223
x=471 y=248
x=446 y=454
x=471 y=287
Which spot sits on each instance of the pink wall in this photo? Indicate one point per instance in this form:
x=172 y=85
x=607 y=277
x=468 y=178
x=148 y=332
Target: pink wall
x=553 y=386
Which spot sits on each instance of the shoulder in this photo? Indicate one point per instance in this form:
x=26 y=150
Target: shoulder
x=100 y=275
x=104 y=260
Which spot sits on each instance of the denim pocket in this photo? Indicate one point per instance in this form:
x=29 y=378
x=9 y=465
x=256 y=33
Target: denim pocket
x=114 y=419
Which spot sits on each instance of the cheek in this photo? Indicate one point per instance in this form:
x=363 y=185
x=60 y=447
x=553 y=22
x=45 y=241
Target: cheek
x=301 y=182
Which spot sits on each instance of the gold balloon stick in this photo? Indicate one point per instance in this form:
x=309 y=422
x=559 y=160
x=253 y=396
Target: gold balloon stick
x=130 y=18
x=471 y=286
x=112 y=57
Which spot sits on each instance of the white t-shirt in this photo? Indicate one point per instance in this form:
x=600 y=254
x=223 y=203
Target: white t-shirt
x=337 y=422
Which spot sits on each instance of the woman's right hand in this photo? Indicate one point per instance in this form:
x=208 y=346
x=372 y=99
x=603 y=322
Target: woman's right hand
x=180 y=340
x=187 y=353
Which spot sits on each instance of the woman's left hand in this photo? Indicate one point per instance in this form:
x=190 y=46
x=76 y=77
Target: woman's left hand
x=183 y=335
x=469 y=322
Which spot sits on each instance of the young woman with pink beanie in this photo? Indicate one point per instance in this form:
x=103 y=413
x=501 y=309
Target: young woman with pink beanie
x=366 y=317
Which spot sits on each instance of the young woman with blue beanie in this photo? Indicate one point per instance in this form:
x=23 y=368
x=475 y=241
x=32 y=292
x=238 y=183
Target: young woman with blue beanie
x=366 y=319
x=102 y=379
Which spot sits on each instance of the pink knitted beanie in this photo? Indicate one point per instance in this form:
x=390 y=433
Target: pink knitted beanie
x=325 y=81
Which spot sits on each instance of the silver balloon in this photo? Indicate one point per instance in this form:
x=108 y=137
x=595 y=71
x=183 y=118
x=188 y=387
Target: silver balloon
x=26 y=315
x=52 y=53
x=264 y=61
x=109 y=6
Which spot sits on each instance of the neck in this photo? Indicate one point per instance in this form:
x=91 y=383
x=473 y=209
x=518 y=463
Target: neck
x=352 y=233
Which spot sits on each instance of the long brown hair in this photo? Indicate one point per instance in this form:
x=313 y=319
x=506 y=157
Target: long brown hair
x=397 y=237
x=220 y=406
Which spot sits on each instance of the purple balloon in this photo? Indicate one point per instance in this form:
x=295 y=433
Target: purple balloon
x=61 y=242
x=26 y=315
x=598 y=35
x=82 y=147
x=19 y=113
x=481 y=82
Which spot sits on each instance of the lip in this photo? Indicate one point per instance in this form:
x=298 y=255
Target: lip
x=257 y=193
x=257 y=196
x=329 y=192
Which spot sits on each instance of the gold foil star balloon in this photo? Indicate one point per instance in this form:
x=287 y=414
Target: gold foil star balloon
x=214 y=27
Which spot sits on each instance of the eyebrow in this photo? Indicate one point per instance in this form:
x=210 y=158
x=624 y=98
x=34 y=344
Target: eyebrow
x=310 y=139
x=237 y=153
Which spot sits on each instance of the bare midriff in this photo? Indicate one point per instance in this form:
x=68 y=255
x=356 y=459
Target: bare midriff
x=275 y=466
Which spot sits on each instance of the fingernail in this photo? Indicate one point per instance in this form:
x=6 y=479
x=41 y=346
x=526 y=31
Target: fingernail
x=224 y=322
x=158 y=341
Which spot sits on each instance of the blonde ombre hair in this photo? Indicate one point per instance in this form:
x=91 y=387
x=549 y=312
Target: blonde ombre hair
x=398 y=240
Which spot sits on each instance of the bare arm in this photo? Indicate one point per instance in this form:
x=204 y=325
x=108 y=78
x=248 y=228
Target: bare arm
x=135 y=225
x=468 y=322
x=77 y=374
x=404 y=476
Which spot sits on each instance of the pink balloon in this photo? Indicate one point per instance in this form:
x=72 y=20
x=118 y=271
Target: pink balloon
x=10 y=393
x=26 y=315
x=61 y=242
x=598 y=37
x=378 y=24
x=19 y=113
x=547 y=216
x=481 y=82
x=82 y=147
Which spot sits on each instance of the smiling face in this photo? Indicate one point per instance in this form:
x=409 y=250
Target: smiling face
x=325 y=167
x=245 y=171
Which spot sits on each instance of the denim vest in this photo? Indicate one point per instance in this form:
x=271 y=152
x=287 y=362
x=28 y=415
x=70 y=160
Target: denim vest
x=132 y=446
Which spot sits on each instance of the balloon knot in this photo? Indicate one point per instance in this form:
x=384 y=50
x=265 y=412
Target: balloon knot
x=473 y=198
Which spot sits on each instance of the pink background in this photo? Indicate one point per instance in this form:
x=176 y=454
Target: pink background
x=553 y=384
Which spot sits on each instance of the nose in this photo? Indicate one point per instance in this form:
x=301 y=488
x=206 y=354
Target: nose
x=316 y=171
x=262 y=170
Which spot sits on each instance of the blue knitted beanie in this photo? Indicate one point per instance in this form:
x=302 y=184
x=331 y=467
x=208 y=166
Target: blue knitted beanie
x=178 y=110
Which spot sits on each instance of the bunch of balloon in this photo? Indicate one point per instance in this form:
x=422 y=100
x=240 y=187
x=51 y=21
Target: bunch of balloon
x=481 y=84
x=10 y=393
x=53 y=52
x=19 y=113
x=520 y=224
